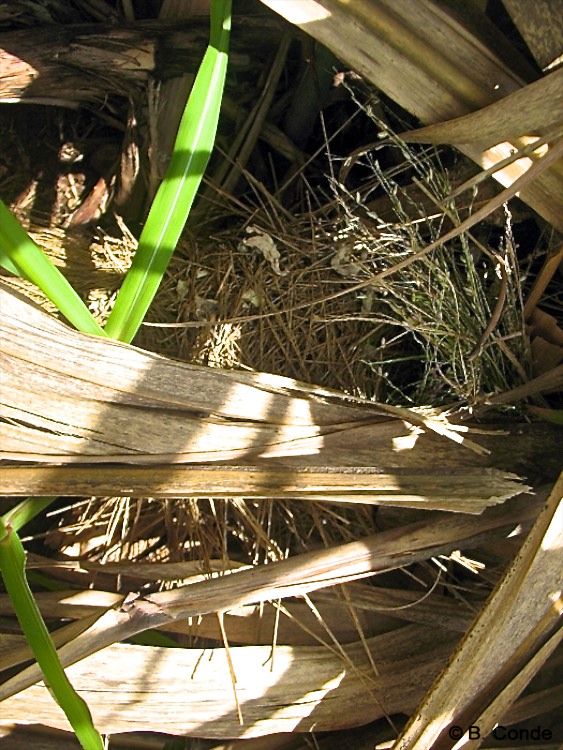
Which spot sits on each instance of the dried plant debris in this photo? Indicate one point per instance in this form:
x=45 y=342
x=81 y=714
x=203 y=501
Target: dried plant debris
x=456 y=313
x=447 y=327
x=379 y=675
x=320 y=580
x=515 y=634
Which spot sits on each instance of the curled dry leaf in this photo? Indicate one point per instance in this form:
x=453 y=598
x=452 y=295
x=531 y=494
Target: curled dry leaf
x=264 y=244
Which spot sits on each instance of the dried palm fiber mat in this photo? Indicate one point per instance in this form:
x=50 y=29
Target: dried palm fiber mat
x=304 y=296
x=90 y=401
x=290 y=405
x=266 y=281
x=408 y=658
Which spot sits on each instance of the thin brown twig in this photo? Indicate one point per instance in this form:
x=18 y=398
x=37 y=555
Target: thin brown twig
x=497 y=312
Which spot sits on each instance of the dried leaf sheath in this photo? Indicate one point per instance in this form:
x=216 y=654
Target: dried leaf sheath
x=293 y=577
x=463 y=489
x=90 y=400
x=515 y=634
x=183 y=691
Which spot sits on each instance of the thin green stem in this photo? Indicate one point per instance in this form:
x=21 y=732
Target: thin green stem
x=12 y=565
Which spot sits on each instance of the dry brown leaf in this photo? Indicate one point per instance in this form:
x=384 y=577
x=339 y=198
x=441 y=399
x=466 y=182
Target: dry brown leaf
x=88 y=395
x=429 y=59
x=529 y=111
x=375 y=609
x=546 y=341
x=553 y=261
x=546 y=356
x=465 y=490
x=548 y=382
x=517 y=630
x=539 y=24
x=186 y=691
x=305 y=573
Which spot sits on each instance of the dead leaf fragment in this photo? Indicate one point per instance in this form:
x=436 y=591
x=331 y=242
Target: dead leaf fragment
x=264 y=244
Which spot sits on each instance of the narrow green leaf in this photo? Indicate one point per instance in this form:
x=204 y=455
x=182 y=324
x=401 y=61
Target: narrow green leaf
x=6 y=263
x=173 y=201
x=20 y=253
x=550 y=415
x=12 y=566
x=23 y=512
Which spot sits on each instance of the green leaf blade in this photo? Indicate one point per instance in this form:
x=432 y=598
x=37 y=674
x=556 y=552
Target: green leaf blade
x=12 y=566
x=175 y=196
x=19 y=252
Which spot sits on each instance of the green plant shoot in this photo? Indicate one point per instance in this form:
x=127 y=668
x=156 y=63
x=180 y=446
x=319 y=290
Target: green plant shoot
x=12 y=565
x=175 y=196
x=19 y=254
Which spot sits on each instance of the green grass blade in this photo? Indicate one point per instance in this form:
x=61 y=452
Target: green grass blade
x=6 y=263
x=23 y=512
x=19 y=252
x=174 y=198
x=12 y=565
